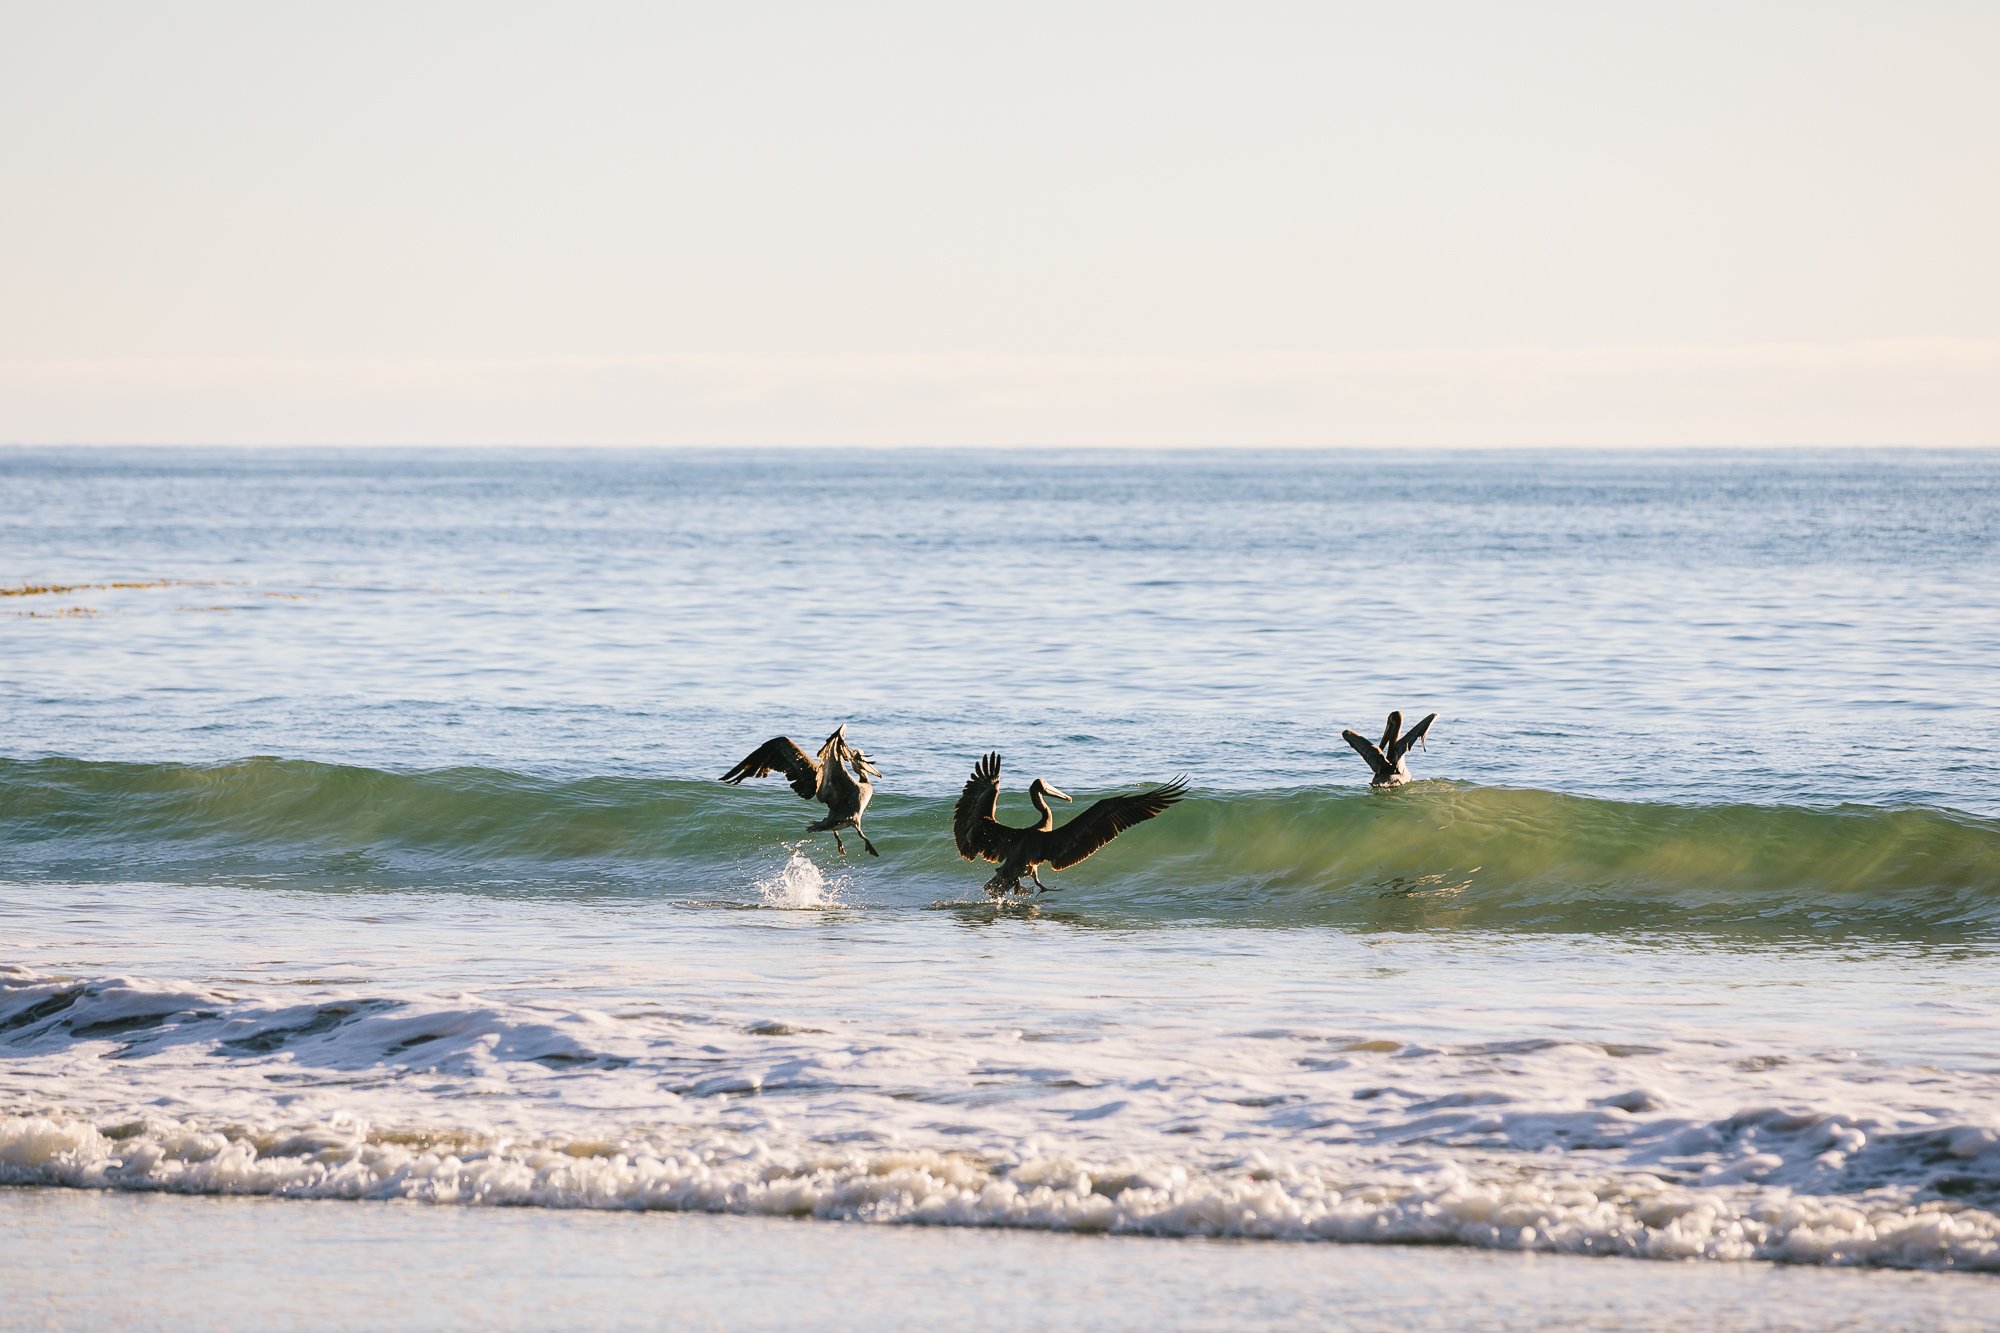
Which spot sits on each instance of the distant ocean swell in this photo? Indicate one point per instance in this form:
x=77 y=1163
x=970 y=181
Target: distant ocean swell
x=1432 y=853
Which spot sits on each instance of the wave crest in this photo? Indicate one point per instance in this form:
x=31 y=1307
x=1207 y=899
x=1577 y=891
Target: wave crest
x=1429 y=854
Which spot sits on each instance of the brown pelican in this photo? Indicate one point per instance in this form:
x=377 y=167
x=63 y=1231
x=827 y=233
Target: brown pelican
x=1019 y=850
x=1387 y=760
x=825 y=779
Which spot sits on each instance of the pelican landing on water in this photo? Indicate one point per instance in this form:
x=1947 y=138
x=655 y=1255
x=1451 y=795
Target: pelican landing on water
x=1387 y=759
x=1020 y=850
x=825 y=779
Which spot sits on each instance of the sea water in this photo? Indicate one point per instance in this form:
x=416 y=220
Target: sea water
x=360 y=838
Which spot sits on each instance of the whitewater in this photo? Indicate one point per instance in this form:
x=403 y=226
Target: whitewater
x=360 y=840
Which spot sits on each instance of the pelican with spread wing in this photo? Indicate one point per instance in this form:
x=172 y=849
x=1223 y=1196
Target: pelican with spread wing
x=1387 y=758
x=1020 y=850
x=826 y=779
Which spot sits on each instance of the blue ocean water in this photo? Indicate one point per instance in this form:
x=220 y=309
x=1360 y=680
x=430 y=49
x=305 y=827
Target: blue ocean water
x=1786 y=628
x=361 y=838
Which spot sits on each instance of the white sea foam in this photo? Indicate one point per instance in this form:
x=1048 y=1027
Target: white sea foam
x=124 y=1083
x=800 y=885
x=1636 y=1216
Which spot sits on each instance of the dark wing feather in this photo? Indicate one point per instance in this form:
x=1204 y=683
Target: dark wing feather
x=836 y=785
x=779 y=754
x=1415 y=734
x=973 y=827
x=1064 y=847
x=1366 y=749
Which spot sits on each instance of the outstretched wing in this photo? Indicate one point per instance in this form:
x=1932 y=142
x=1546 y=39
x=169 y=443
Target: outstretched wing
x=973 y=826
x=1366 y=749
x=780 y=755
x=1398 y=749
x=1064 y=847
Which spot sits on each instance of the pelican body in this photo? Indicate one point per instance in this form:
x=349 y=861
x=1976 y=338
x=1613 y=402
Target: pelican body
x=839 y=778
x=1387 y=759
x=1019 y=850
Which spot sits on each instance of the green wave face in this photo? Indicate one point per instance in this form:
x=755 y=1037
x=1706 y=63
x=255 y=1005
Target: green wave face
x=1429 y=854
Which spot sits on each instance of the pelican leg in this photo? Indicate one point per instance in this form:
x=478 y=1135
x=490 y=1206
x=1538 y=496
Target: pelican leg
x=1039 y=886
x=838 y=843
x=864 y=841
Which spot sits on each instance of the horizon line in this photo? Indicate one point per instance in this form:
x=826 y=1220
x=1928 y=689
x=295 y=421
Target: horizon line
x=1041 y=446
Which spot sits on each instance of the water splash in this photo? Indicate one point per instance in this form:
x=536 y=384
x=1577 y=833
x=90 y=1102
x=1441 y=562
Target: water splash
x=801 y=886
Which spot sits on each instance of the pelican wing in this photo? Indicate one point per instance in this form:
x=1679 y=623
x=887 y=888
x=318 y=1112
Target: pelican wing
x=973 y=826
x=1366 y=749
x=834 y=748
x=1411 y=737
x=835 y=785
x=779 y=755
x=1064 y=847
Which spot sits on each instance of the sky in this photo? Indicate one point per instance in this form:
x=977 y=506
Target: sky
x=1763 y=222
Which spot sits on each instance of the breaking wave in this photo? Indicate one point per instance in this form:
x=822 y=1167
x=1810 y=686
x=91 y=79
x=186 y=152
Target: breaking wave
x=1618 y=1175
x=1432 y=853
x=1639 y=1218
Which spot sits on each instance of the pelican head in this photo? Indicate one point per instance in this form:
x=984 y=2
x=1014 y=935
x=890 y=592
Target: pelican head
x=1046 y=789
x=863 y=764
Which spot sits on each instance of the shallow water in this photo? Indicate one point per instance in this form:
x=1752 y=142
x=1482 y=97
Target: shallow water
x=361 y=841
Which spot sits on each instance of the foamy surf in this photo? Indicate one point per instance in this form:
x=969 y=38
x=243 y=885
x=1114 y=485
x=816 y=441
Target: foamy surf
x=1253 y=1198
x=1668 y=1152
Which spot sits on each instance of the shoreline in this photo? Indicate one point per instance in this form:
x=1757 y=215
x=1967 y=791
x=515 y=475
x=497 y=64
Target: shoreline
x=87 y=1258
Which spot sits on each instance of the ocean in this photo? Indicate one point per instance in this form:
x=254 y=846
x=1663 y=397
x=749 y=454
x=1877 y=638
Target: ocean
x=361 y=839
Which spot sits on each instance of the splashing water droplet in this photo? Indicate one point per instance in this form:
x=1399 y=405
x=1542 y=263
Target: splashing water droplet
x=799 y=885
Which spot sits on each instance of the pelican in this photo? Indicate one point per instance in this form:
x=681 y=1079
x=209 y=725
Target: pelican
x=825 y=779
x=1387 y=760
x=1020 y=850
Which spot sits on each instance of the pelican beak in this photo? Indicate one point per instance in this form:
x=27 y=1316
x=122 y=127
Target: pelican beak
x=1058 y=794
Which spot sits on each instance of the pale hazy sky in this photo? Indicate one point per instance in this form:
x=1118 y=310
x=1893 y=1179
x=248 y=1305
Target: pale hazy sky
x=1089 y=223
